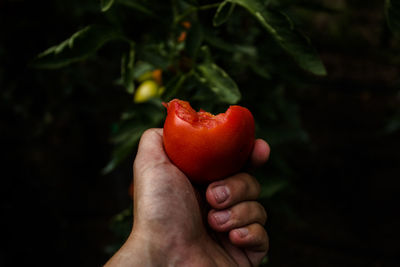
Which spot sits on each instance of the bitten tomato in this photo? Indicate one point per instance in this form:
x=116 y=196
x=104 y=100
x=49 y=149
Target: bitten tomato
x=207 y=147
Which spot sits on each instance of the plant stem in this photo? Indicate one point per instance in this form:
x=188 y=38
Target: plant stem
x=194 y=9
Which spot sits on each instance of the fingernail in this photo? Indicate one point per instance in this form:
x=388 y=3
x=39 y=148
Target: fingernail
x=222 y=216
x=242 y=232
x=221 y=193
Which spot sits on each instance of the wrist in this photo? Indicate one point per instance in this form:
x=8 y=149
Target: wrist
x=151 y=251
x=144 y=250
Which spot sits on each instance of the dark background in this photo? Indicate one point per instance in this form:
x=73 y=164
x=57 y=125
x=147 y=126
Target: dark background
x=55 y=126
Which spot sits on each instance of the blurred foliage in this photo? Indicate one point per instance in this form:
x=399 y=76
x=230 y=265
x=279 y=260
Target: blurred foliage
x=392 y=10
x=211 y=53
x=195 y=47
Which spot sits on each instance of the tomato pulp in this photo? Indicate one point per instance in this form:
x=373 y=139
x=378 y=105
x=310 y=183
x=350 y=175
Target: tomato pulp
x=208 y=147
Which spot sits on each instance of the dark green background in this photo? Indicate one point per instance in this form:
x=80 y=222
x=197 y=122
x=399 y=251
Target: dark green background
x=339 y=209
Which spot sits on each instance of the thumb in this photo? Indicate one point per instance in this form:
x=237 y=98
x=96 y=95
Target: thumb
x=162 y=193
x=151 y=151
x=153 y=172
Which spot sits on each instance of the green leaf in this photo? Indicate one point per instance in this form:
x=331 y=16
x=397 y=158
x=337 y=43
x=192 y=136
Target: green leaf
x=78 y=47
x=155 y=55
x=230 y=47
x=282 y=30
x=219 y=82
x=133 y=124
x=192 y=2
x=128 y=70
x=224 y=11
x=106 y=4
x=194 y=40
x=392 y=11
x=260 y=70
x=205 y=54
x=120 y=225
x=173 y=86
x=134 y=4
x=122 y=151
x=141 y=68
x=253 y=6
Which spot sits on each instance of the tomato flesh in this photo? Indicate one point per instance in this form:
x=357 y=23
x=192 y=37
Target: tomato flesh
x=207 y=147
x=198 y=119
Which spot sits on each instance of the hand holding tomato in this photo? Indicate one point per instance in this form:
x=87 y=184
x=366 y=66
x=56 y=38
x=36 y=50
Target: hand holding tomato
x=169 y=223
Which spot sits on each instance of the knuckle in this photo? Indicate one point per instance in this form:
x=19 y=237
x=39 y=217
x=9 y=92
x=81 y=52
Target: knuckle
x=235 y=220
x=250 y=186
x=260 y=236
x=262 y=213
x=148 y=132
x=239 y=187
x=257 y=186
x=241 y=215
x=244 y=185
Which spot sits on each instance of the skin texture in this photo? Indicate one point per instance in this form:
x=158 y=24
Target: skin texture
x=178 y=225
x=207 y=147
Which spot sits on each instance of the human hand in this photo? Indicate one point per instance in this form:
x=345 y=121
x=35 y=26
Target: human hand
x=170 y=228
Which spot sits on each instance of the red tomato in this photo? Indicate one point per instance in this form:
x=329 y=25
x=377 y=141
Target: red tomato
x=207 y=147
